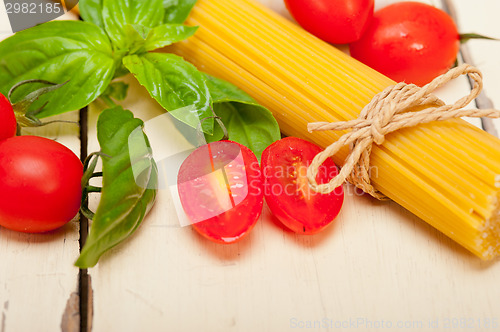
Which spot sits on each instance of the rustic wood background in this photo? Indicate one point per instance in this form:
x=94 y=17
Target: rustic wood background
x=377 y=267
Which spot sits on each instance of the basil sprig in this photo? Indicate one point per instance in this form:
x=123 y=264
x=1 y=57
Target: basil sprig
x=119 y=37
x=58 y=51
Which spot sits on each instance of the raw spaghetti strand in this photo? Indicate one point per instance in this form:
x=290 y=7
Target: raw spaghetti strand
x=387 y=112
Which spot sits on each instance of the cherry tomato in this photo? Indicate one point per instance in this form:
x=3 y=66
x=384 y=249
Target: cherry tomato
x=40 y=186
x=287 y=191
x=8 y=124
x=409 y=41
x=334 y=21
x=220 y=188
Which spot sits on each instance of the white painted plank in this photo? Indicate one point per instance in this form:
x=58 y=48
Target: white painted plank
x=37 y=275
x=482 y=18
x=5 y=28
x=377 y=267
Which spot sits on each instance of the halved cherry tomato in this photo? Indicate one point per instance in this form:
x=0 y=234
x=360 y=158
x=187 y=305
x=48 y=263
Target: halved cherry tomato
x=40 y=187
x=334 y=21
x=287 y=190
x=8 y=124
x=409 y=41
x=220 y=188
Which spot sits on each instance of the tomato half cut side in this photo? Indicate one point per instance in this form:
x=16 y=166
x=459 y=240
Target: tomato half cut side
x=287 y=191
x=220 y=189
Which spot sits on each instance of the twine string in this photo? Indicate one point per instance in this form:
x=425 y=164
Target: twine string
x=387 y=112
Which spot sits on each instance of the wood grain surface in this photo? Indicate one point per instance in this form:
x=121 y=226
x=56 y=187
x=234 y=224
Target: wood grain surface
x=377 y=267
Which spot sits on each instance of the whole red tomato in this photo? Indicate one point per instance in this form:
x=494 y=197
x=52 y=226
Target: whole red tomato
x=8 y=124
x=40 y=187
x=334 y=21
x=409 y=41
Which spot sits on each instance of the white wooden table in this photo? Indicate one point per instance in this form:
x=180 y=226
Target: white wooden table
x=377 y=268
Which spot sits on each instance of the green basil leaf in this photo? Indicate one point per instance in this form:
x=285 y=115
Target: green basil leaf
x=117 y=90
x=118 y=13
x=142 y=30
x=167 y=34
x=169 y=4
x=176 y=85
x=177 y=11
x=142 y=39
x=251 y=125
x=58 y=51
x=222 y=91
x=246 y=121
x=134 y=42
x=124 y=202
x=120 y=71
x=91 y=11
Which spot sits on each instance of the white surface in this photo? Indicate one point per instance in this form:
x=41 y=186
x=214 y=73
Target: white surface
x=480 y=17
x=37 y=276
x=5 y=29
x=376 y=268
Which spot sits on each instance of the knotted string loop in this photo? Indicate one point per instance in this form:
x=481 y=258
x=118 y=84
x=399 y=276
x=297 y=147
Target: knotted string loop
x=387 y=112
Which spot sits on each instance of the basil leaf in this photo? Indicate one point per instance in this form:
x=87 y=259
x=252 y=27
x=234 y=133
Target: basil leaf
x=246 y=121
x=116 y=90
x=168 y=4
x=124 y=202
x=58 y=51
x=135 y=40
x=142 y=30
x=222 y=91
x=142 y=39
x=118 y=13
x=176 y=85
x=120 y=71
x=250 y=125
x=177 y=11
x=91 y=11
x=167 y=34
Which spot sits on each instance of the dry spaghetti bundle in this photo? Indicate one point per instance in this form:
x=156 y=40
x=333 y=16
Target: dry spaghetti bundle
x=447 y=173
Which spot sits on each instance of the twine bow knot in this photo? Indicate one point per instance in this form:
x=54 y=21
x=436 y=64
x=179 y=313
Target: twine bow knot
x=388 y=111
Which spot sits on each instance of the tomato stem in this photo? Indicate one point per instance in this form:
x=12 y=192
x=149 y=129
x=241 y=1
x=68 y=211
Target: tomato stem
x=201 y=135
x=89 y=166
x=19 y=84
x=224 y=130
x=84 y=209
x=96 y=175
x=84 y=204
x=24 y=116
x=220 y=123
x=465 y=37
x=108 y=101
x=93 y=189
